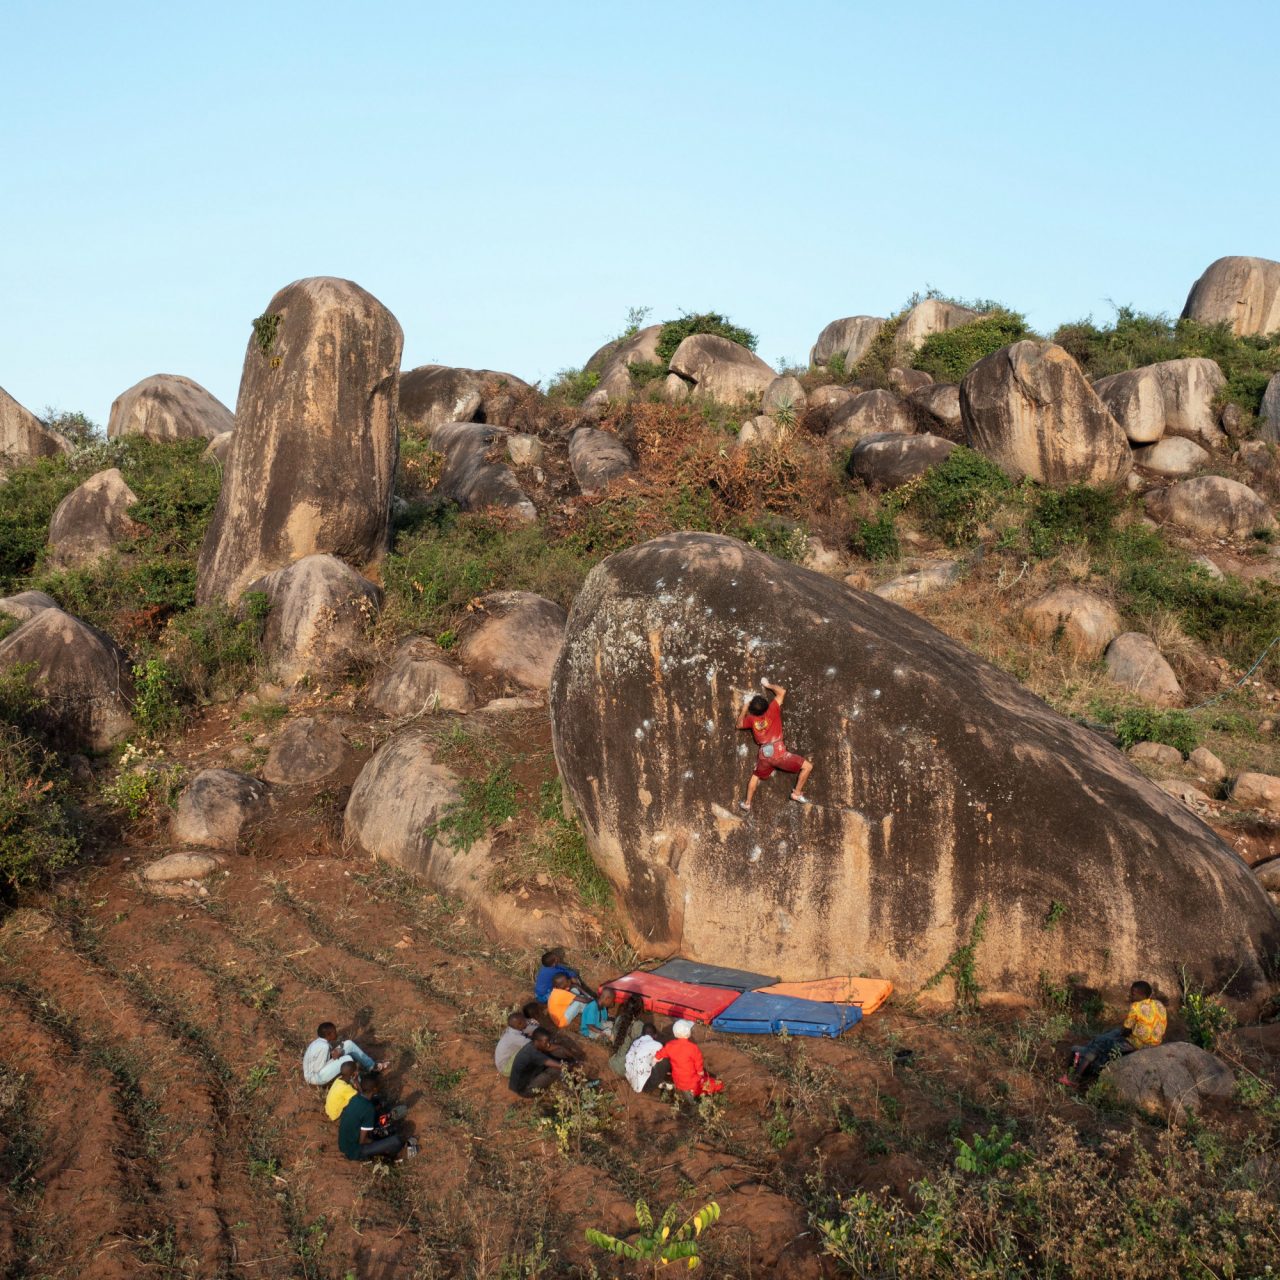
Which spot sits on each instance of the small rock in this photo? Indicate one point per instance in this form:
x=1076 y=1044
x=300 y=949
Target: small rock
x=597 y=457
x=924 y=581
x=905 y=381
x=1086 y=623
x=421 y=682
x=306 y=750
x=509 y=706
x=524 y=450
x=784 y=397
x=1134 y=663
x=760 y=430
x=1257 y=791
x=821 y=559
x=1207 y=765
x=1209 y=567
x=215 y=807
x=1172 y=456
x=1268 y=874
x=1191 y=796
x=1156 y=753
x=514 y=636
x=1169 y=1079
x=180 y=866
x=26 y=603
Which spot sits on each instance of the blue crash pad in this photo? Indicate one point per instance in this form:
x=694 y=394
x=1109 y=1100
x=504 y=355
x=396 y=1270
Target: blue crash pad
x=713 y=975
x=758 y=1014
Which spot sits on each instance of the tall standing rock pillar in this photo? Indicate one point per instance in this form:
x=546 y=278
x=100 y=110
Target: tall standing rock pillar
x=314 y=453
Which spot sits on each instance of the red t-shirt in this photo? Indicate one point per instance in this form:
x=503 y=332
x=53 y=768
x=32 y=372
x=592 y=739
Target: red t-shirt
x=687 y=1067
x=765 y=728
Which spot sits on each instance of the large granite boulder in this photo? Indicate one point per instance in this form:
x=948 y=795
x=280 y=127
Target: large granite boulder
x=850 y=339
x=1135 y=663
x=23 y=437
x=420 y=682
x=1211 y=506
x=873 y=413
x=941 y=402
x=597 y=457
x=927 y=317
x=82 y=675
x=1085 y=623
x=513 y=637
x=26 y=604
x=1030 y=409
x=434 y=394
x=1241 y=292
x=1174 y=456
x=721 y=370
x=473 y=474
x=92 y=519
x=314 y=453
x=613 y=363
x=167 y=406
x=1169 y=1080
x=941 y=789
x=215 y=807
x=1189 y=391
x=319 y=617
x=1136 y=401
x=888 y=461
x=785 y=398
x=1269 y=413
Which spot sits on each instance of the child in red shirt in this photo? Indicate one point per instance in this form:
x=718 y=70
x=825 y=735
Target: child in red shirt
x=763 y=717
x=688 y=1070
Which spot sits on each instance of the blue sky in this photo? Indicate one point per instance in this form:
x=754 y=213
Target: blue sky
x=509 y=180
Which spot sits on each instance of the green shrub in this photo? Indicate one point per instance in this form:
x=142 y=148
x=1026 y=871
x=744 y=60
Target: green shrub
x=561 y=849
x=674 y=332
x=31 y=495
x=1135 y=339
x=80 y=429
x=954 y=499
x=877 y=539
x=1079 y=514
x=644 y=372
x=773 y=535
x=210 y=649
x=948 y=356
x=37 y=838
x=881 y=356
x=1146 y=724
x=1207 y=1018
x=484 y=805
x=573 y=386
x=155 y=706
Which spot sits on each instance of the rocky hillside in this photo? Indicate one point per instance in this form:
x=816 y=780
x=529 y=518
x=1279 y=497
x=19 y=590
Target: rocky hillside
x=353 y=701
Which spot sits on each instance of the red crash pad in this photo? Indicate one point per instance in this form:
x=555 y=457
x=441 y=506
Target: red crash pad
x=671 y=998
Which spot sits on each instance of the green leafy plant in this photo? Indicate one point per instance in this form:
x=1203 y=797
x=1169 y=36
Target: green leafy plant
x=1078 y=514
x=155 y=703
x=485 y=804
x=948 y=356
x=1208 y=1019
x=778 y=1129
x=955 y=498
x=579 y=1110
x=674 y=332
x=265 y=329
x=37 y=837
x=660 y=1242
x=988 y=1154
x=1054 y=916
x=573 y=386
x=961 y=966
x=877 y=539
x=1148 y=724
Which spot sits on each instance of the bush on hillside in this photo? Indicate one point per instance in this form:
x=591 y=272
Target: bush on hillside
x=956 y=498
x=1135 y=339
x=573 y=386
x=1147 y=724
x=948 y=356
x=1079 y=515
x=674 y=332
x=80 y=429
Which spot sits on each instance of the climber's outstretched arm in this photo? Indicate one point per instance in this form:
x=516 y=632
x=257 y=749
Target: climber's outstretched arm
x=777 y=690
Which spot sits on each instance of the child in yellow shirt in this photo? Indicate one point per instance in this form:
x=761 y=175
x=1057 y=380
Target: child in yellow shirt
x=1143 y=1028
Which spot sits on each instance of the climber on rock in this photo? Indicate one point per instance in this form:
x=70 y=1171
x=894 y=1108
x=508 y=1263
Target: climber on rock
x=763 y=717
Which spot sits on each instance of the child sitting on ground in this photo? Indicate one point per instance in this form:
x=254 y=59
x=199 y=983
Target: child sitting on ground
x=324 y=1056
x=520 y=1027
x=645 y=1074
x=1144 y=1028
x=568 y=1002
x=363 y=1135
x=763 y=717
x=552 y=964
x=341 y=1091
x=688 y=1070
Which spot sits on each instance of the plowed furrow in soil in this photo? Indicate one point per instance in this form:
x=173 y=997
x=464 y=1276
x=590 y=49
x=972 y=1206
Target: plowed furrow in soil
x=84 y=1200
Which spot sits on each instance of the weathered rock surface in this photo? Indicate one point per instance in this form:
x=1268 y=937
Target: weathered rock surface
x=849 y=338
x=307 y=749
x=219 y=449
x=759 y=431
x=721 y=370
x=167 y=406
x=83 y=676
x=176 y=867
x=892 y=460
x=675 y=388
x=1134 y=663
x=1241 y=292
x=313 y=457
x=1136 y=401
x=514 y=637
x=1207 y=765
x=215 y=807
x=473 y=475
x=597 y=457
x=23 y=437
x=1211 y=506
x=434 y=394
x=785 y=397
x=928 y=317
x=1189 y=389
x=941 y=402
x=873 y=413
x=524 y=450
x=1174 y=456
x=905 y=381
x=613 y=363
x=321 y=611
x=26 y=604
x=397 y=802
x=920 y=582
x=91 y=519
x=1269 y=414
x=939 y=782
x=1257 y=791
x=1086 y=623
x=1170 y=1079
x=1156 y=753
x=419 y=681
x=1029 y=409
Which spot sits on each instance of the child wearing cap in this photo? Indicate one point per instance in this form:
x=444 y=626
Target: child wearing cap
x=688 y=1070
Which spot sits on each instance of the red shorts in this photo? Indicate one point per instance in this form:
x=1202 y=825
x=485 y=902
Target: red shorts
x=777 y=757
